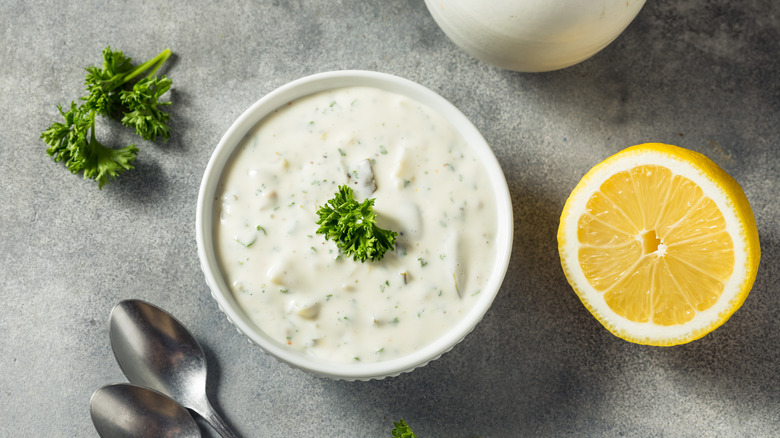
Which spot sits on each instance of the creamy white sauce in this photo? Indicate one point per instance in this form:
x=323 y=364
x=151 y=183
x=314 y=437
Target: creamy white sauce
x=430 y=188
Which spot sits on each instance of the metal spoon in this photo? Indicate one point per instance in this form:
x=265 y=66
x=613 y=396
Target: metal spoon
x=129 y=411
x=154 y=350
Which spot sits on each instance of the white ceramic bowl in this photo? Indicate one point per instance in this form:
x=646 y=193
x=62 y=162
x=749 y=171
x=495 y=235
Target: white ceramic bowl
x=322 y=82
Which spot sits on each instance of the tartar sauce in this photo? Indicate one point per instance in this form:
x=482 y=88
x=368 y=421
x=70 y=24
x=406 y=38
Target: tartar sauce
x=429 y=187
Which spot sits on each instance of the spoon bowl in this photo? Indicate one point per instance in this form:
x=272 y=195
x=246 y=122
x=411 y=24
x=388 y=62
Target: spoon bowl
x=155 y=350
x=129 y=411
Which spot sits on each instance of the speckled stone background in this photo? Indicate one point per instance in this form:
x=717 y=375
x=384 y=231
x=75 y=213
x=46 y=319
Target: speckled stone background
x=703 y=74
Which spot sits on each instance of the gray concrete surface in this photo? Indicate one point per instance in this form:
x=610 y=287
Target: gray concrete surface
x=697 y=73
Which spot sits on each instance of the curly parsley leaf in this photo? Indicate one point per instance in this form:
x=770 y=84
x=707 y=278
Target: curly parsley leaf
x=352 y=225
x=66 y=140
x=114 y=93
x=143 y=103
x=104 y=164
x=74 y=143
x=402 y=430
x=101 y=83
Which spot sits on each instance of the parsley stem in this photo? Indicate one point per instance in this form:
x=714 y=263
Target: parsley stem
x=92 y=128
x=157 y=62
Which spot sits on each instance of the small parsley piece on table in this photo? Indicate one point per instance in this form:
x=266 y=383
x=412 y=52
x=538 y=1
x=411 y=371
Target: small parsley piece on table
x=402 y=430
x=352 y=225
x=116 y=93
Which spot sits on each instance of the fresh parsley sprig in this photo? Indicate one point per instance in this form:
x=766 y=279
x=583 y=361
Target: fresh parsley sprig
x=352 y=225
x=116 y=93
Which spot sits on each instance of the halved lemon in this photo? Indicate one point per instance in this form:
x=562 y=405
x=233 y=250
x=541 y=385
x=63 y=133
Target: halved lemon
x=659 y=243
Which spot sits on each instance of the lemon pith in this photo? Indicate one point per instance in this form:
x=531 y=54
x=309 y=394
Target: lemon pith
x=659 y=243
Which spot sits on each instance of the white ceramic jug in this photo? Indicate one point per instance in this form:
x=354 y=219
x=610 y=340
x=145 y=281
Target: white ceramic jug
x=533 y=35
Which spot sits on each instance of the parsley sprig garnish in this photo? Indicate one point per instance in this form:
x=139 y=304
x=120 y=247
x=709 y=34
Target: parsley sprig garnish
x=352 y=225
x=114 y=92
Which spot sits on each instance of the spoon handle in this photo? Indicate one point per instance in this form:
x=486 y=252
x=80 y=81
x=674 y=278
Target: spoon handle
x=211 y=417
